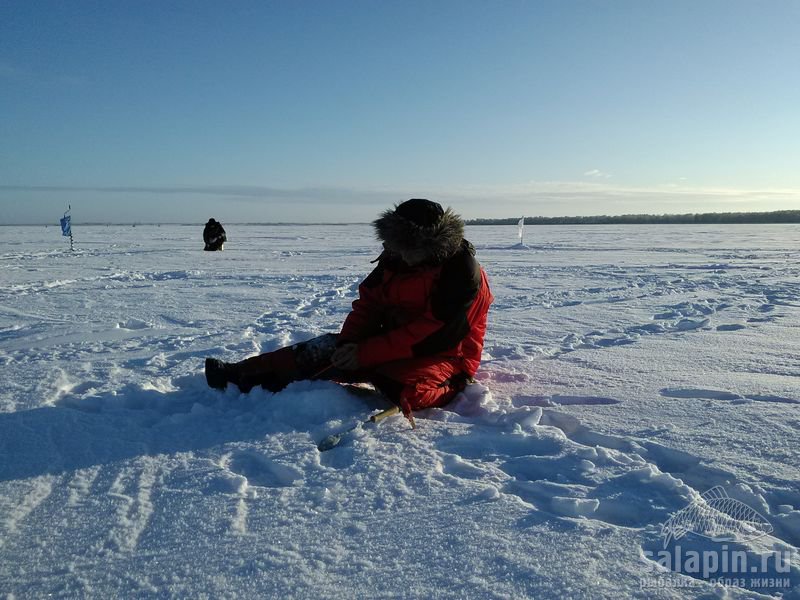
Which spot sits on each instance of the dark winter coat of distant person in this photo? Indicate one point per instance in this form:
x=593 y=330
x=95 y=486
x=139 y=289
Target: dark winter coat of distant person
x=416 y=330
x=214 y=235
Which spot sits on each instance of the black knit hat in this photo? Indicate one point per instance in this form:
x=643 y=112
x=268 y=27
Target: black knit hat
x=419 y=211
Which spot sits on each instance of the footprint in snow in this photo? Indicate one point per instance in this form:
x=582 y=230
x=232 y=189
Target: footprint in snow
x=720 y=395
x=768 y=398
x=454 y=465
x=731 y=327
x=340 y=457
x=480 y=445
x=558 y=399
x=588 y=400
x=761 y=320
x=505 y=377
x=699 y=394
x=133 y=324
x=260 y=470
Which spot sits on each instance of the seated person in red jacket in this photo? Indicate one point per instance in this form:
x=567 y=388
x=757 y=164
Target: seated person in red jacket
x=415 y=331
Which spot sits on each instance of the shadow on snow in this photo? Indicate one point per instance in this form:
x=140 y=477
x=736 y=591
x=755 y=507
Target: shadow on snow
x=110 y=427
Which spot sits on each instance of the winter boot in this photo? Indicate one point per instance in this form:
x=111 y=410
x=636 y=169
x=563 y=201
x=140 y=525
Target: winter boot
x=218 y=373
x=273 y=371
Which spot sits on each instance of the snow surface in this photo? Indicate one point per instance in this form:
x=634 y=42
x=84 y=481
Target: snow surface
x=627 y=370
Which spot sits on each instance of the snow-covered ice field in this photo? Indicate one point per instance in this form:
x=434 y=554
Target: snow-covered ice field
x=627 y=370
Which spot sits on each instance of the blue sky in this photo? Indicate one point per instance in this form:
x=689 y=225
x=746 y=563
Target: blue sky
x=330 y=111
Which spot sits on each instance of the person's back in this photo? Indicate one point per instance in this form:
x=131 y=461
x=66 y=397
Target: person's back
x=214 y=235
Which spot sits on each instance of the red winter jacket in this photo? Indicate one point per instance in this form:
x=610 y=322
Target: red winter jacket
x=426 y=311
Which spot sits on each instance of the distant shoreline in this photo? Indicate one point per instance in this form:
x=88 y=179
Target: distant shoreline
x=745 y=218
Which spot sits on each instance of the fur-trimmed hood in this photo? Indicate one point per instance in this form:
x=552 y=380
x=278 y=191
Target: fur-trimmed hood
x=434 y=243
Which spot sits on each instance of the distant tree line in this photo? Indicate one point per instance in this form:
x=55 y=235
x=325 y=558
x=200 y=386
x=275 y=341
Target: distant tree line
x=781 y=216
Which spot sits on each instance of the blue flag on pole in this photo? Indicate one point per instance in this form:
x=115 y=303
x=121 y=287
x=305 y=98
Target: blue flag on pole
x=66 y=228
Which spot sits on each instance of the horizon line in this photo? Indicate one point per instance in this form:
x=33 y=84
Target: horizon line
x=477 y=221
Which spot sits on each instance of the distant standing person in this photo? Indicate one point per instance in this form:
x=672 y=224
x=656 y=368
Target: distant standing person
x=214 y=235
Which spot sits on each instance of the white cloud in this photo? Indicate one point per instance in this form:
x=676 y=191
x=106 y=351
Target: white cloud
x=597 y=173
